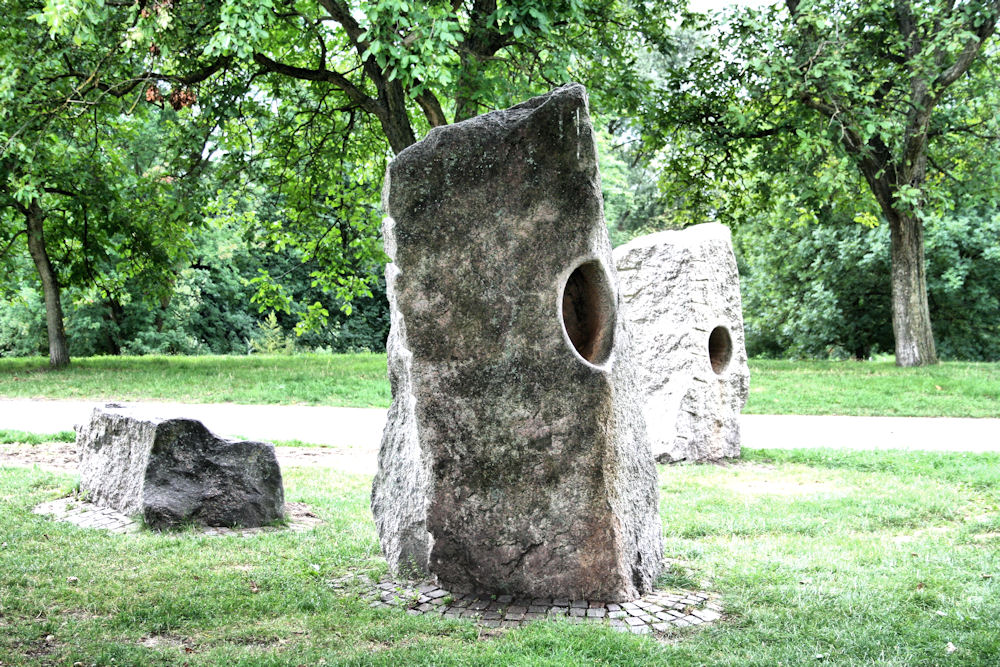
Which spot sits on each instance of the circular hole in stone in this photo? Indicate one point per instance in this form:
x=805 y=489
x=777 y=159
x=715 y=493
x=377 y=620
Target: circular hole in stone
x=588 y=312
x=720 y=349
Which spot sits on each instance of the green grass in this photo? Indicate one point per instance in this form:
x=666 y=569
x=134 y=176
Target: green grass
x=950 y=389
x=880 y=388
x=10 y=437
x=354 y=380
x=862 y=558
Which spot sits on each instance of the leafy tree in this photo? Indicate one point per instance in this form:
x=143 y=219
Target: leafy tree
x=334 y=87
x=82 y=180
x=444 y=61
x=898 y=98
x=206 y=308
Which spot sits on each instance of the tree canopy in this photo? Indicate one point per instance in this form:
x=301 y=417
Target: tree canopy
x=895 y=98
x=331 y=89
x=91 y=183
x=135 y=124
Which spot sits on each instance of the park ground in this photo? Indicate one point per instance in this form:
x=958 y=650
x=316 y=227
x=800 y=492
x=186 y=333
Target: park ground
x=873 y=388
x=820 y=556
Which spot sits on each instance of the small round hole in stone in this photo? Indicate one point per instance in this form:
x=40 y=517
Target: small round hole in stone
x=720 y=349
x=588 y=312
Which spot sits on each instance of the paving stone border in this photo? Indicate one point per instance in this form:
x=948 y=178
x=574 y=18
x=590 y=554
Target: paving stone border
x=656 y=612
x=88 y=515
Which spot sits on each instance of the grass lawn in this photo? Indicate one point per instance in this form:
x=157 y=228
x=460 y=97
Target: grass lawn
x=353 y=380
x=950 y=389
x=21 y=437
x=860 y=558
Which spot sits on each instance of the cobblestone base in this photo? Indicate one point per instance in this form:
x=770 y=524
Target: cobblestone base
x=89 y=515
x=653 y=613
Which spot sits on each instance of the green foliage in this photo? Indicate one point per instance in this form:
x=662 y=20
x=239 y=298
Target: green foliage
x=814 y=289
x=744 y=101
x=821 y=289
x=632 y=201
x=208 y=308
x=318 y=213
x=92 y=154
x=271 y=338
x=799 y=113
x=424 y=56
x=964 y=284
x=22 y=324
x=310 y=100
x=874 y=110
x=242 y=28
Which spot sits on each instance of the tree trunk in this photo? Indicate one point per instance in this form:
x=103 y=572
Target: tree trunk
x=112 y=333
x=911 y=317
x=58 y=350
x=395 y=120
x=465 y=106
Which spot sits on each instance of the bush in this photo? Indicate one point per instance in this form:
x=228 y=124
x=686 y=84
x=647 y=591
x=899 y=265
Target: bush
x=822 y=290
x=271 y=338
x=22 y=324
x=206 y=309
x=963 y=285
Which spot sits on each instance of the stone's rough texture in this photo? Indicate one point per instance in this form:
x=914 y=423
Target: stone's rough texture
x=174 y=471
x=681 y=295
x=399 y=493
x=515 y=458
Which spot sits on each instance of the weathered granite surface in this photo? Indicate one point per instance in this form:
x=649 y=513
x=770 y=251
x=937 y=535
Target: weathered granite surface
x=175 y=471
x=681 y=296
x=515 y=458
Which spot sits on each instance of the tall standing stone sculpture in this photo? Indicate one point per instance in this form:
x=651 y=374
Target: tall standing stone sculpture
x=515 y=458
x=681 y=294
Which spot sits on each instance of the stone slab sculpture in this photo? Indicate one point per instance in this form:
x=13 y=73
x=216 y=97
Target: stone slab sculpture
x=515 y=458
x=681 y=295
x=176 y=471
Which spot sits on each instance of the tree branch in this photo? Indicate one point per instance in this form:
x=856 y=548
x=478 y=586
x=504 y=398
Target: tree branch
x=197 y=76
x=873 y=161
x=123 y=88
x=432 y=108
x=10 y=243
x=907 y=28
x=336 y=78
x=969 y=53
x=341 y=13
x=963 y=129
x=944 y=171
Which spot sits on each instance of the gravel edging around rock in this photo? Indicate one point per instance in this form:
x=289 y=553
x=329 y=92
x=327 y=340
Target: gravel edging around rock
x=84 y=514
x=64 y=457
x=654 y=613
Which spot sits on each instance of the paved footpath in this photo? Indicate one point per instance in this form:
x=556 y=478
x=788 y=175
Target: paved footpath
x=360 y=429
x=338 y=427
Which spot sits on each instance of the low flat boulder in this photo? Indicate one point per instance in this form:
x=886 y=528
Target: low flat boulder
x=176 y=471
